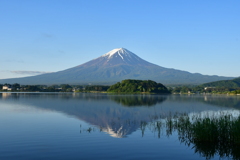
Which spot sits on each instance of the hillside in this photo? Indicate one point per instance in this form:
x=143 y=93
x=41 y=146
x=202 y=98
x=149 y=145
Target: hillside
x=138 y=86
x=235 y=83
x=114 y=66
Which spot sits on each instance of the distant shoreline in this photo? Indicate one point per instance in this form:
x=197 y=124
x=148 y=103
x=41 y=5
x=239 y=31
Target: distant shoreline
x=125 y=93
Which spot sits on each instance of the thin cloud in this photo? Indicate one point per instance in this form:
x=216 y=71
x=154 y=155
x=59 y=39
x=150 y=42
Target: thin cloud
x=61 y=51
x=14 y=61
x=30 y=72
x=46 y=35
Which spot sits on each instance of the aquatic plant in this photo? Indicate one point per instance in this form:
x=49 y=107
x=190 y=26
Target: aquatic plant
x=210 y=135
x=207 y=134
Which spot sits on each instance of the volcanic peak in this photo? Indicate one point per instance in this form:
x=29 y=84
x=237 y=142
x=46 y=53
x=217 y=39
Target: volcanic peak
x=122 y=52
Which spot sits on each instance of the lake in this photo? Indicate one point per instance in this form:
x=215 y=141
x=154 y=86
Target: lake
x=106 y=126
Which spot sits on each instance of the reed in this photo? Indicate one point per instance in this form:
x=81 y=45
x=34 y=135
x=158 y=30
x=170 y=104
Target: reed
x=220 y=129
x=207 y=134
x=210 y=135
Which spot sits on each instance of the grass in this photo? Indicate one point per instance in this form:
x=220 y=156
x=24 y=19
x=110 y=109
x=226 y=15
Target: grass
x=218 y=129
x=208 y=135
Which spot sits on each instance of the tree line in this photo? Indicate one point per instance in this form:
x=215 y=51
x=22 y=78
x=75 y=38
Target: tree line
x=138 y=86
x=126 y=86
x=202 y=89
x=52 y=88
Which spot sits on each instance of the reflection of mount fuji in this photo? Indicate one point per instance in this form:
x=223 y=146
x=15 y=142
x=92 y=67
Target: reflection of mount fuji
x=101 y=110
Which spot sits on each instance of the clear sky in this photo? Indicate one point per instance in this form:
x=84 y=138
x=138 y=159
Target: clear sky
x=199 y=36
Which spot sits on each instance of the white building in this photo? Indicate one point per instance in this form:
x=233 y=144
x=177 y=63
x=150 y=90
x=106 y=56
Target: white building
x=7 y=88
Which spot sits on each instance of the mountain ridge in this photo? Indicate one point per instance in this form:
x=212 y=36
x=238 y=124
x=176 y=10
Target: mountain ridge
x=114 y=66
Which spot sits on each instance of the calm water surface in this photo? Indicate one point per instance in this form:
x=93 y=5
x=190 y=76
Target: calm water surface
x=100 y=126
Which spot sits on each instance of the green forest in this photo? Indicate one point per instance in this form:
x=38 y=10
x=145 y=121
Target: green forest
x=235 y=83
x=138 y=86
x=133 y=86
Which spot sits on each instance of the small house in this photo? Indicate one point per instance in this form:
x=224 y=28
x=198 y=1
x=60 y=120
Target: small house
x=7 y=87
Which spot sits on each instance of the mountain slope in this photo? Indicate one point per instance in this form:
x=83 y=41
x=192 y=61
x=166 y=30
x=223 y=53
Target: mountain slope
x=114 y=66
x=235 y=83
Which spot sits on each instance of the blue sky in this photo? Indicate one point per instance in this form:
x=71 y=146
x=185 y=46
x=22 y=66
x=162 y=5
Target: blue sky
x=199 y=36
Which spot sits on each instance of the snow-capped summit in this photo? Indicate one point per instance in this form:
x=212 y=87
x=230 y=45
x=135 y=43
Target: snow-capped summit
x=121 y=56
x=122 y=52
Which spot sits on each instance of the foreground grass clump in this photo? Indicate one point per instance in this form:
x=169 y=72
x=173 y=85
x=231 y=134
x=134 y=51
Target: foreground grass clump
x=207 y=134
x=219 y=129
x=210 y=135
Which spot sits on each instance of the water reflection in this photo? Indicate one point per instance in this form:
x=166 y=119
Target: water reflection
x=106 y=111
x=209 y=135
x=131 y=100
x=138 y=100
x=225 y=101
x=9 y=95
x=102 y=110
x=109 y=114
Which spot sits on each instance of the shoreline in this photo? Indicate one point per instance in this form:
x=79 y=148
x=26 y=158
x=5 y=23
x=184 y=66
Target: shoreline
x=126 y=93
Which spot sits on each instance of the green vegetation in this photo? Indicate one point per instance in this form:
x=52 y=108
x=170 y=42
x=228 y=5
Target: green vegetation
x=66 y=88
x=235 y=92
x=53 y=88
x=133 y=86
x=202 y=89
x=235 y=83
x=98 y=88
x=138 y=86
x=208 y=134
x=218 y=87
x=38 y=88
x=186 y=89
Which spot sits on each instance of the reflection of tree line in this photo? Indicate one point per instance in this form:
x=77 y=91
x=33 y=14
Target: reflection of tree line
x=138 y=100
x=209 y=135
x=229 y=101
x=132 y=100
x=126 y=100
x=80 y=96
x=151 y=100
x=217 y=100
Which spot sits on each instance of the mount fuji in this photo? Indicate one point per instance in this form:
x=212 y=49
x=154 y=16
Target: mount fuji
x=114 y=66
